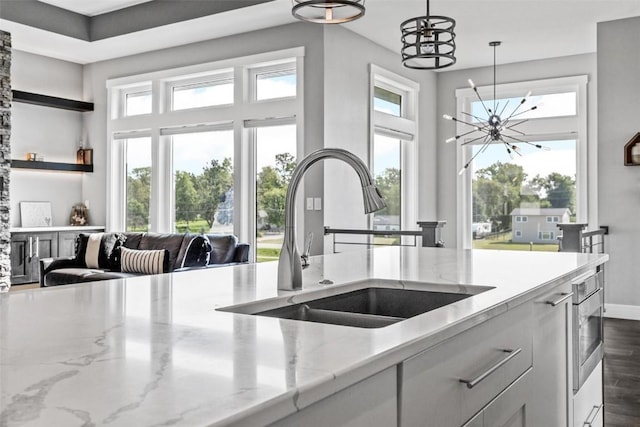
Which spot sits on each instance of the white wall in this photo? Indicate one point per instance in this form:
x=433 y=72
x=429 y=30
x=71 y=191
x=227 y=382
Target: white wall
x=618 y=122
x=50 y=132
x=449 y=81
x=346 y=111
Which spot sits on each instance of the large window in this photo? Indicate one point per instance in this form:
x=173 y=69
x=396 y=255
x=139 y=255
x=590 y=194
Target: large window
x=501 y=183
x=189 y=146
x=394 y=130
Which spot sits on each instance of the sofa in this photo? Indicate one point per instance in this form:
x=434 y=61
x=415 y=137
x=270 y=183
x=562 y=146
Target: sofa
x=104 y=256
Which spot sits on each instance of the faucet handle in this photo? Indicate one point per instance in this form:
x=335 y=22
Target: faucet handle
x=307 y=248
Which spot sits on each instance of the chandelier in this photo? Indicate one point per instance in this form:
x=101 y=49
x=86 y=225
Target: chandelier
x=328 y=11
x=495 y=128
x=428 y=42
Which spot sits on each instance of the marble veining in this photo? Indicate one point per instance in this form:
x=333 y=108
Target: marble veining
x=155 y=350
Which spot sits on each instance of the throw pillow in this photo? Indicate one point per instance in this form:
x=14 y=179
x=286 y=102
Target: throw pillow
x=144 y=262
x=98 y=250
x=198 y=252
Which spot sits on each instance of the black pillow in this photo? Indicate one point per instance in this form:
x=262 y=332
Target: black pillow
x=108 y=257
x=198 y=252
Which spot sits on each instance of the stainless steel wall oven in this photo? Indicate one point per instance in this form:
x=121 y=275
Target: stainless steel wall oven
x=588 y=309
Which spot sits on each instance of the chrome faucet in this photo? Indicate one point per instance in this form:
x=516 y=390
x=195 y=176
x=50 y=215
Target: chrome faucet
x=290 y=265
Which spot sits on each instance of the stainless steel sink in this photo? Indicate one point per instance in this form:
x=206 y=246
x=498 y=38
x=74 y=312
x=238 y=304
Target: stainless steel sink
x=364 y=306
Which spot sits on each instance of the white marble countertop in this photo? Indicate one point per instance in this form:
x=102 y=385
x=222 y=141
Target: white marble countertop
x=55 y=228
x=153 y=350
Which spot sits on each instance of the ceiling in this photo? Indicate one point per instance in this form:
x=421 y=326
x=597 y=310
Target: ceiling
x=529 y=29
x=93 y=7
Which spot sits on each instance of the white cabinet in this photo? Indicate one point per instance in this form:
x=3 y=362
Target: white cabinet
x=552 y=379
x=488 y=357
x=371 y=402
x=588 y=407
x=511 y=408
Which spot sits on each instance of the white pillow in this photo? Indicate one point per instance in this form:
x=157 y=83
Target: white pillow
x=144 y=262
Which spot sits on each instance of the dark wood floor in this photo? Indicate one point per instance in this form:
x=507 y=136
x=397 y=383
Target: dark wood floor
x=621 y=373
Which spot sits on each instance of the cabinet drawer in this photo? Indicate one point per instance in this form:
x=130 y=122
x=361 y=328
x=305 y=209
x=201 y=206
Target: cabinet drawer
x=587 y=402
x=431 y=391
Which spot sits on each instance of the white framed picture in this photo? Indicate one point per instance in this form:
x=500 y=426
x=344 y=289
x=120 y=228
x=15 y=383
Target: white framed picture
x=35 y=214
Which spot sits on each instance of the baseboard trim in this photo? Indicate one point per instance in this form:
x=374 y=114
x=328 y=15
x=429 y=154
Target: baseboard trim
x=620 y=311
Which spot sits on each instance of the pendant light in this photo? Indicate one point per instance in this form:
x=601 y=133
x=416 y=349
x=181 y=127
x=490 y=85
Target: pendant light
x=428 y=42
x=328 y=11
x=495 y=126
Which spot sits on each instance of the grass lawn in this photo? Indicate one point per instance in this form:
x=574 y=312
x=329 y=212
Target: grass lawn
x=267 y=254
x=199 y=226
x=503 y=242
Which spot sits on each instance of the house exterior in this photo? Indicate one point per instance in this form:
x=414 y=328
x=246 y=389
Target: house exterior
x=537 y=225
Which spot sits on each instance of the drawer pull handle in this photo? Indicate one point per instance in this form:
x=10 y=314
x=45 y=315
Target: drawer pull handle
x=592 y=415
x=474 y=382
x=562 y=299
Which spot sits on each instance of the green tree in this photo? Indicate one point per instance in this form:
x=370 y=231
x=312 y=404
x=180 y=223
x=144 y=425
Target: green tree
x=388 y=183
x=212 y=186
x=186 y=197
x=272 y=188
x=496 y=192
x=560 y=190
x=138 y=197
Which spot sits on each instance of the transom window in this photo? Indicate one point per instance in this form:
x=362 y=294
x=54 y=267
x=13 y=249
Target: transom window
x=203 y=92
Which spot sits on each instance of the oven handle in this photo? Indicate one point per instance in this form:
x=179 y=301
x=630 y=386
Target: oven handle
x=563 y=298
x=474 y=382
x=592 y=415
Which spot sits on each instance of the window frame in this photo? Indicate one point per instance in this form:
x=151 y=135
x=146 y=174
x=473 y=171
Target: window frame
x=536 y=129
x=162 y=211
x=404 y=128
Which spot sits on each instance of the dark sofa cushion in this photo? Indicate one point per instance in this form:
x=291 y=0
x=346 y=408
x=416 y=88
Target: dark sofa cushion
x=223 y=248
x=197 y=253
x=171 y=242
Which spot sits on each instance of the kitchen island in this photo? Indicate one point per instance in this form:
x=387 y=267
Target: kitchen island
x=155 y=350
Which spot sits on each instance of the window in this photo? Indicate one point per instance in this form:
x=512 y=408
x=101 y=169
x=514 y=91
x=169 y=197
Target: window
x=498 y=182
x=138 y=189
x=522 y=219
x=203 y=182
x=275 y=148
x=274 y=81
x=197 y=170
x=518 y=233
x=393 y=158
x=137 y=103
x=202 y=94
x=546 y=235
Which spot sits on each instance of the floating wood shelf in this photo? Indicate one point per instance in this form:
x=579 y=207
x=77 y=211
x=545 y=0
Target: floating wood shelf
x=52 y=166
x=51 y=101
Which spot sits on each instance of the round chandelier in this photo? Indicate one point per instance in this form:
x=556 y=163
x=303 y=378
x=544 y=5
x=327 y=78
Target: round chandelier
x=328 y=11
x=495 y=127
x=428 y=42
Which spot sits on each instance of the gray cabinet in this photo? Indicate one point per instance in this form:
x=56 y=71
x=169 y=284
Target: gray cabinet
x=28 y=247
x=511 y=408
x=552 y=358
x=450 y=383
x=371 y=402
x=26 y=251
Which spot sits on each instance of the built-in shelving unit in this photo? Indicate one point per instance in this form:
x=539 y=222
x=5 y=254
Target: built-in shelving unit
x=52 y=166
x=51 y=101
